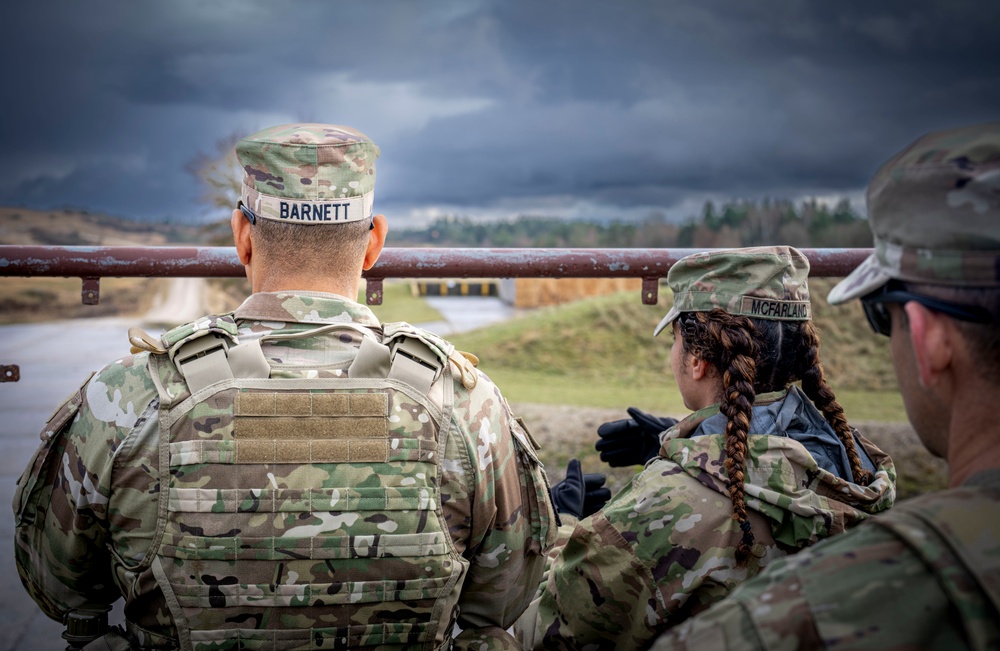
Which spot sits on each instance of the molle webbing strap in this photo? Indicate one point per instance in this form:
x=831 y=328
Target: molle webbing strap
x=143 y=341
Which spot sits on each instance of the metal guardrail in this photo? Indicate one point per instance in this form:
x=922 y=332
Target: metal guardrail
x=91 y=263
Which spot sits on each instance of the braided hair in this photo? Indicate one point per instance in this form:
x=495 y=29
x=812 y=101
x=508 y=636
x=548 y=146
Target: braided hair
x=758 y=356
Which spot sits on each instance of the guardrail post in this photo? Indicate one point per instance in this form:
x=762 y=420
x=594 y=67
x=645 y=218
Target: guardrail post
x=373 y=290
x=650 y=290
x=91 y=291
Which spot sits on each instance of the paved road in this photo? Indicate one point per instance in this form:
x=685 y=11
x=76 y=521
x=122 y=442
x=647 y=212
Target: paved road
x=54 y=359
x=464 y=313
x=182 y=303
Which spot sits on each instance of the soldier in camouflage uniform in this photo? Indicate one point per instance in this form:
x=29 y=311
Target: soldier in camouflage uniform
x=926 y=575
x=295 y=474
x=760 y=470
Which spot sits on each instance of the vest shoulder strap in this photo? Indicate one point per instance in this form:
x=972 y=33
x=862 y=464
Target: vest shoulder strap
x=210 y=354
x=406 y=353
x=465 y=363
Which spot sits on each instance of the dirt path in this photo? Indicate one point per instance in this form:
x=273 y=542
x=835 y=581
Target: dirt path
x=184 y=301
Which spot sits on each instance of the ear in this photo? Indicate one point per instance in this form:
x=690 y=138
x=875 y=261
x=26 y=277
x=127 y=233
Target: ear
x=376 y=241
x=930 y=336
x=699 y=368
x=241 y=235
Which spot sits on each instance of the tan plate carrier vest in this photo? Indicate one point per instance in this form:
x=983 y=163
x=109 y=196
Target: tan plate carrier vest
x=305 y=513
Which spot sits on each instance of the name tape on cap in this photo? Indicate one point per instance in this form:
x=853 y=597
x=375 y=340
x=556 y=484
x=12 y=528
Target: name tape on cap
x=767 y=308
x=301 y=211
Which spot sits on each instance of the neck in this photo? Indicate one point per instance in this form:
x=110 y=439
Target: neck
x=329 y=284
x=973 y=431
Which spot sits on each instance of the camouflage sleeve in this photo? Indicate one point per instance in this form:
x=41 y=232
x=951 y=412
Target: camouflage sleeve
x=61 y=504
x=648 y=559
x=857 y=590
x=496 y=502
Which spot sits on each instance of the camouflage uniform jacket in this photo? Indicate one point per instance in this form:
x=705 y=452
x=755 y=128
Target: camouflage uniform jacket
x=663 y=548
x=86 y=506
x=926 y=575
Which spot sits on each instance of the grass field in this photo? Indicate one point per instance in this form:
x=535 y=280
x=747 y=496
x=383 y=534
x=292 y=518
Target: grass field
x=656 y=395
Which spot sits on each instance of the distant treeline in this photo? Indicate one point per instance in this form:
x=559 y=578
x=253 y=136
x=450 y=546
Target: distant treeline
x=737 y=223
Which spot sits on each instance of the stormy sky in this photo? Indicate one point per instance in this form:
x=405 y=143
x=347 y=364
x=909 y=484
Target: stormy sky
x=490 y=108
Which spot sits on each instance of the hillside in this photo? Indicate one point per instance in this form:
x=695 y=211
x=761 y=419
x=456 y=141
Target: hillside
x=42 y=299
x=602 y=349
x=73 y=228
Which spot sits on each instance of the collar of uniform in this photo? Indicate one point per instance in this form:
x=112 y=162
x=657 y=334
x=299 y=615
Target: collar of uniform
x=304 y=307
x=689 y=424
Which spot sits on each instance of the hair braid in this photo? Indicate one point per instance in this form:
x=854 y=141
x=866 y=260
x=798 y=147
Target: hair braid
x=816 y=388
x=729 y=344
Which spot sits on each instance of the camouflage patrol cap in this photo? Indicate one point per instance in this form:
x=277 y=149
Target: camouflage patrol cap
x=308 y=173
x=768 y=282
x=935 y=212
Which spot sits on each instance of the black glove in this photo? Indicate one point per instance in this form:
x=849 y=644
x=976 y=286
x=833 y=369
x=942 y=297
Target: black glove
x=631 y=441
x=580 y=494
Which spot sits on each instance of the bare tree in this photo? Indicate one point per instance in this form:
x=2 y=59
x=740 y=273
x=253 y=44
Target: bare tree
x=219 y=172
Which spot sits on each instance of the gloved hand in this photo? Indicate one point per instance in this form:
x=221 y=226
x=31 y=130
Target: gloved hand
x=631 y=441
x=580 y=494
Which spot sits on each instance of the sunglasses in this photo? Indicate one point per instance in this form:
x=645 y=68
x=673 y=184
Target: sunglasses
x=880 y=319
x=249 y=214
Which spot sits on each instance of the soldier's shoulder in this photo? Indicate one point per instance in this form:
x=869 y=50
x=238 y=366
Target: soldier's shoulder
x=847 y=561
x=468 y=378
x=129 y=373
x=395 y=329
x=969 y=496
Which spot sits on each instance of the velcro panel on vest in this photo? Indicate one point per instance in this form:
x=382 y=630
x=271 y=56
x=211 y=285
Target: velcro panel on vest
x=291 y=500
x=284 y=427
x=262 y=548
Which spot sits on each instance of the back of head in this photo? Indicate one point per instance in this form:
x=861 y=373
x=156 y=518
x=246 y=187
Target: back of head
x=763 y=291
x=747 y=313
x=934 y=210
x=308 y=189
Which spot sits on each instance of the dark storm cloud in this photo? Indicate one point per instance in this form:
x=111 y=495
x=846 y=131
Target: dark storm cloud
x=487 y=107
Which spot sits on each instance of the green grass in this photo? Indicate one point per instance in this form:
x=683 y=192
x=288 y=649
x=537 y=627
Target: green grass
x=399 y=304
x=656 y=395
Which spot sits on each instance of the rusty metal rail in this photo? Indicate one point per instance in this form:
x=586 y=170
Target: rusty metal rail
x=91 y=263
